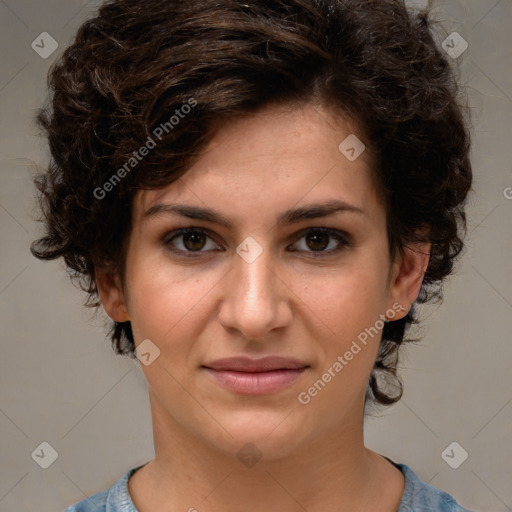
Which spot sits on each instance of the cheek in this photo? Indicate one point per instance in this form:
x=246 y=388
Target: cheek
x=166 y=301
x=349 y=305
x=347 y=299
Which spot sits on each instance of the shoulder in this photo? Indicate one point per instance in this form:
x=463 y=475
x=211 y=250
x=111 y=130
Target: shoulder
x=422 y=497
x=115 y=499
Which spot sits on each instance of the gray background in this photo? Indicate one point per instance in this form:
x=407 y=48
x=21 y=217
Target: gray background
x=61 y=383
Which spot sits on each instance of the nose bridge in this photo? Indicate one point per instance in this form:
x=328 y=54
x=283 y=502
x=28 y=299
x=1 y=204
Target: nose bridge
x=255 y=280
x=255 y=300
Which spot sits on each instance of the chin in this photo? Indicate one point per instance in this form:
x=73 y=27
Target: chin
x=272 y=435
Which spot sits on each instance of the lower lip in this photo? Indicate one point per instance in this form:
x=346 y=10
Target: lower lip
x=256 y=383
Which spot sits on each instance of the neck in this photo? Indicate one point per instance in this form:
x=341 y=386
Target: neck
x=332 y=469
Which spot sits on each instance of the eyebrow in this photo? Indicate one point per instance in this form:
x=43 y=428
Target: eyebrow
x=312 y=211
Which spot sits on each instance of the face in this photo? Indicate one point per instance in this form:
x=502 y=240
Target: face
x=291 y=261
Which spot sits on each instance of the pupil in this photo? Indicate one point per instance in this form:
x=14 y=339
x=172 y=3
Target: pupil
x=196 y=238
x=320 y=241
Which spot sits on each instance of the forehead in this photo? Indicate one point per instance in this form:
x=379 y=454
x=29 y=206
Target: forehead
x=278 y=156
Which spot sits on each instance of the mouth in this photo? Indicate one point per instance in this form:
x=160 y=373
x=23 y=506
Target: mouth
x=255 y=376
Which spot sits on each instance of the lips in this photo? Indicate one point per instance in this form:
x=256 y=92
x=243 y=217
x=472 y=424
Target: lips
x=246 y=364
x=248 y=376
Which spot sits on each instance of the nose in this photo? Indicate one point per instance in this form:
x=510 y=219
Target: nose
x=256 y=298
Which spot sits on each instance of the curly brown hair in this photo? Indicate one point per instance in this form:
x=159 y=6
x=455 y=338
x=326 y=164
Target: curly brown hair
x=137 y=63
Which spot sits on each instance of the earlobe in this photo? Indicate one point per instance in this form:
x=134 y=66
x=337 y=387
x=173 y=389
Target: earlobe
x=111 y=295
x=408 y=272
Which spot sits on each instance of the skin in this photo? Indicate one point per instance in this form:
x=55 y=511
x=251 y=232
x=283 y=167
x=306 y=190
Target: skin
x=286 y=302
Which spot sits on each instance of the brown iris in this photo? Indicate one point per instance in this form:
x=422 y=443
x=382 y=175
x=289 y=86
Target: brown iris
x=319 y=240
x=194 y=240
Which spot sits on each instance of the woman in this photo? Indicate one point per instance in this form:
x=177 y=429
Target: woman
x=259 y=193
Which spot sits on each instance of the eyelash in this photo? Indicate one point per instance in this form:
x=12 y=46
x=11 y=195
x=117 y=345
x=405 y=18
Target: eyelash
x=341 y=237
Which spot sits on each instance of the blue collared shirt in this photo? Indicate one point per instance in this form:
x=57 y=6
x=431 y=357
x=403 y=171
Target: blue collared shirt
x=417 y=497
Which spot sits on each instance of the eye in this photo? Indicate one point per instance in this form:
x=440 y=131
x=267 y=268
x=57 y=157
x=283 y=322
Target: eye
x=187 y=241
x=317 y=240
x=192 y=240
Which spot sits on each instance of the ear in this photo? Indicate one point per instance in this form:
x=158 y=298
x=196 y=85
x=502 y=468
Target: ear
x=111 y=295
x=407 y=274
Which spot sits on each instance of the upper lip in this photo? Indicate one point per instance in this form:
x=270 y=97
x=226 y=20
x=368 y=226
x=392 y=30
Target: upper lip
x=247 y=364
